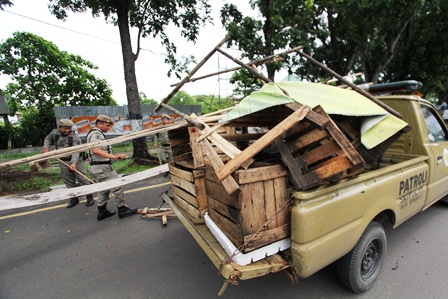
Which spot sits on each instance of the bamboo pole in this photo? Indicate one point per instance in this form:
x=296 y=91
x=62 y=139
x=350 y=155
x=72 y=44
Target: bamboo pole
x=250 y=69
x=187 y=78
x=266 y=59
x=83 y=147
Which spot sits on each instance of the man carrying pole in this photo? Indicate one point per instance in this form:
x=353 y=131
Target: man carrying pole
x=102 y=170
x=73 y=170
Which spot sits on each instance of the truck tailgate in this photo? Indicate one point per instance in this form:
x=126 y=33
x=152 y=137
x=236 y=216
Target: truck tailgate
x=229 y=270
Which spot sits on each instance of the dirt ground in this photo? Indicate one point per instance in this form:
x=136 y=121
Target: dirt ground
x=10 y=178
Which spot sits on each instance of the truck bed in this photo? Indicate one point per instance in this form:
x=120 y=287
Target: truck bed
x=228 y=269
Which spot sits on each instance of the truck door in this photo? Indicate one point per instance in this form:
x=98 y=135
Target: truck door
x=437 y=146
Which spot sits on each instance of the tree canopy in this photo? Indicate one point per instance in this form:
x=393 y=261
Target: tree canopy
x=42 y=77
x=383 y=39
x=151 y=19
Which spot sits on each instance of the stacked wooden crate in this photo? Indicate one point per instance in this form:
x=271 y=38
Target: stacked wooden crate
x=244 y=191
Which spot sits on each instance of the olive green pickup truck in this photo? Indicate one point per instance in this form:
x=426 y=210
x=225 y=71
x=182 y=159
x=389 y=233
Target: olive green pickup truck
x=343 y=221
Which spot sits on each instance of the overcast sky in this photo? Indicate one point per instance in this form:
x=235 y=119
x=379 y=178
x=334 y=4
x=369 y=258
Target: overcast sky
x=98 y=42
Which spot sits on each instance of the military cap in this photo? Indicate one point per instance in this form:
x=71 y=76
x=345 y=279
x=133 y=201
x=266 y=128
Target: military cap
x=164 y=115
x=66 y=123
x=104 y=118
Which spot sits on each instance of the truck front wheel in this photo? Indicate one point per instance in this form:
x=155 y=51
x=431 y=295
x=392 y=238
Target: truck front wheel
x=360 y=268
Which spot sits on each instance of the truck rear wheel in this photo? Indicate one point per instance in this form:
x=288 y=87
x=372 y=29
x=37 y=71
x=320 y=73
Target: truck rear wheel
x=359 y=269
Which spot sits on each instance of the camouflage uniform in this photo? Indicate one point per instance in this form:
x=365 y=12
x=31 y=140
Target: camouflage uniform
x=68 y=176
x=102 y=170
x=165 y=147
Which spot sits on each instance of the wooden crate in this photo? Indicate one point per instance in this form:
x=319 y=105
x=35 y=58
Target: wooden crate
x=188 y=189
x=264 y=191
x=316 y=155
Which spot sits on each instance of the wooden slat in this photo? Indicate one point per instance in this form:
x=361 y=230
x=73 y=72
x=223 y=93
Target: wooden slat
x=343 y=142
x=298 y=180
x=321 y=152
x=314 y=117
x=269 y=194
x=201 y=195
x=186 y=206
x=216 y=190
x=281 y=196
x=186 y=175
x=242 y=137
x=259 y=174
x=267 y=237
x=262 y=143
x=332 y=167
x=183 y=157
x=229 y=212
x=230 y=229
x=252 y=207
x=229 y=183
x=184 y=184
x=308 y=139
x=186 y=196
x=198 y=156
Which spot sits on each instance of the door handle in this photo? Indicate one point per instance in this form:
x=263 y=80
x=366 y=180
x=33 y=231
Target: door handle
x=439 y=159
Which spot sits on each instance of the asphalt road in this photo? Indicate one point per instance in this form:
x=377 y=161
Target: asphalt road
x=54 y=252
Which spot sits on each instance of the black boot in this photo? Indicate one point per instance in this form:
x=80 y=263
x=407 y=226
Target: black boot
x=125 y=211
x=103 y=213
x=89 y=201
x=73 y=202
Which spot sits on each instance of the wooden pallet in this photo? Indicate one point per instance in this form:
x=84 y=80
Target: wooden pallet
x=316 y=155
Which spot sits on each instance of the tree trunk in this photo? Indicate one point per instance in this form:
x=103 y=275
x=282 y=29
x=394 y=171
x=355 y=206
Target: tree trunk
x=267 y=31
x=134 y=106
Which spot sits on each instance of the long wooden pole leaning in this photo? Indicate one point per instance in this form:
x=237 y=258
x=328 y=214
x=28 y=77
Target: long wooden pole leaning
x=356 y=88
x=187 y=78
x=77 y=171
x=266 y=59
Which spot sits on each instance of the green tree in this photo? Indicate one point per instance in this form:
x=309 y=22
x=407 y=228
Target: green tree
x=211 y=103
x=182 y=98
x=44 y=77
x=422 y=54
x=150 y=18
x=145 y=100
x=3 y=3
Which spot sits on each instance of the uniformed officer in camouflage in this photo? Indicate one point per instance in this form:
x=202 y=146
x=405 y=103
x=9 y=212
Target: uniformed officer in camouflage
x=64 y=137
x=165 y=147
x=102 y=170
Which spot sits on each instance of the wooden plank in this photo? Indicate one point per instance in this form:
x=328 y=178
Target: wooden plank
x=333 y=166
x=242 y=137
x=267 y=237
x=186 y=206
x=232 y=231
x=198 y=156
x=65 y=193
x=164 y=220
x=295 y=172
x=269 y=194
x=191 y=199
x=281 y=197
x=308 y=139
x=262 y=143
x=313 y=116
x=186 y=164
x=227 y=211
x=201 y=195
x=217 y=191
x=229 y=183
x=181 y=149
x=252 y=207
x=184 y=184
x=259 y=174
x=198 y=173
x=343 y=142
x=321 y=152
x=183 y=174
x=183 y=157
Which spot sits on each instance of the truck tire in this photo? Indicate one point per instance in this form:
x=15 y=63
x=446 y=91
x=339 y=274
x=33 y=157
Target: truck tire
x=359 y=269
